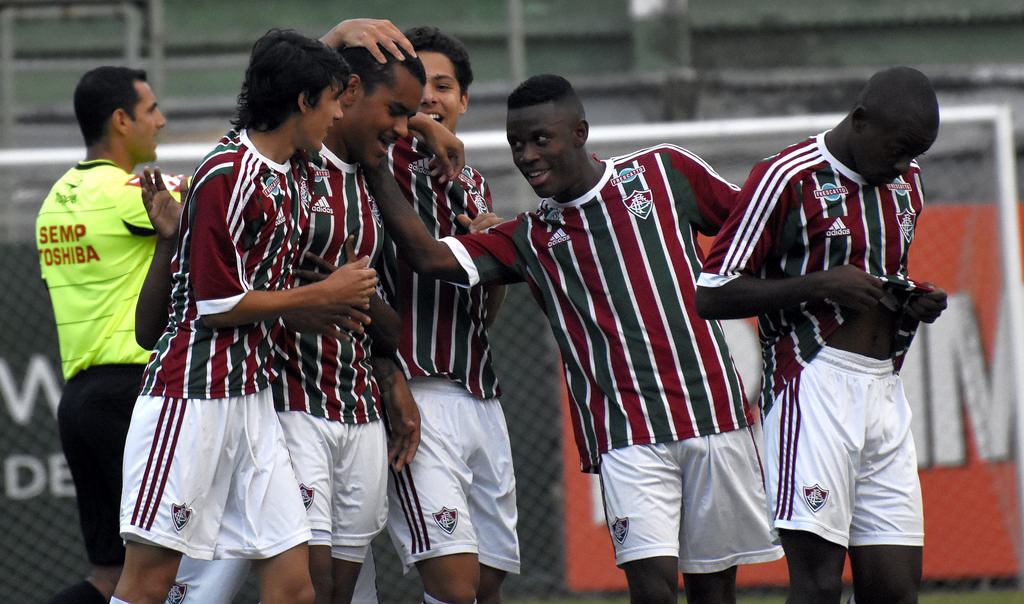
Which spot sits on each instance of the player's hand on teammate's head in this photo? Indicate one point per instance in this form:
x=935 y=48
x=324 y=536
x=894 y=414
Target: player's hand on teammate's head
x=163 y=209
x=375 y=35
x=481 y=223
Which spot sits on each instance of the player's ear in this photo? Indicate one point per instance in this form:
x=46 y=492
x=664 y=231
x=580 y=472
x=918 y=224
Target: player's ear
x=463 y=101
x=580 y=133
x=859 y=118
x=119 y=121
x=353 y=91
x=304 y=104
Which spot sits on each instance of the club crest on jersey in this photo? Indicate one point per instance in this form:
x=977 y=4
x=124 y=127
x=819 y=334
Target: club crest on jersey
x=322 y=207
x=180 y=515
x=272 y=186
x=816 y=497
x=899 y=187
x=479 y=202
x=557 y=237
x=830 y=192
x=307 y=495
x=420 y=166
x=176 y=594
x=447 y=519
x=838 y=228
x=628 y=175
x=620 y=528
x=907 y=221
x=640 y=203
x=374 y=210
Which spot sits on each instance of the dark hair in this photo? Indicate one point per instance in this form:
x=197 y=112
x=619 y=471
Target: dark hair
x=283 y=65
x=100 y=93
x=373 y=73
x=431 y=39
x=543 y=88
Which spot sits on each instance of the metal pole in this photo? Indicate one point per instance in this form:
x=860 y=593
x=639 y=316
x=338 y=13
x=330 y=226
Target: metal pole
x=157 y=62
x=516 y=41
x=1009 y=224
x=7 y=108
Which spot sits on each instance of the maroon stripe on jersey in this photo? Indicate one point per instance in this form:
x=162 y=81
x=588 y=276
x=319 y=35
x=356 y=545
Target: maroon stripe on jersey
x=414 y=516
x=604 y=315
x=580 y=344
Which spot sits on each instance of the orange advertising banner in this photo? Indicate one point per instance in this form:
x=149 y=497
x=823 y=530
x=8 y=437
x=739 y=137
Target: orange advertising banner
x=971 y=521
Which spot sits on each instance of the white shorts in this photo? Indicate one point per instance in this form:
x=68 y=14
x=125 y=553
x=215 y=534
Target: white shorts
x=699 y=499
x=208 y=581
x=342 y=478
x=210 y=478
x=841 y=460
x=459 y=493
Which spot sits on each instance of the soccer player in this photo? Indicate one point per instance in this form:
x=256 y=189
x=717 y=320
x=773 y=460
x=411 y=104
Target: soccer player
x=452 y=510
x=206 y=471
x=816 y=248
x=658 y=409
x=95 y=241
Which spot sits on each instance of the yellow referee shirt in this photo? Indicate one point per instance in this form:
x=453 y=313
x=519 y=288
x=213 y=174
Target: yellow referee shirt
x=95 y=245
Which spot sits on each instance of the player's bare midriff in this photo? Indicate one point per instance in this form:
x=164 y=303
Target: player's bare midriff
x=869 y=333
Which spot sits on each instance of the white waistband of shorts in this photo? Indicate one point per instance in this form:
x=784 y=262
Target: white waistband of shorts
x=437 y=384
x=857 y=363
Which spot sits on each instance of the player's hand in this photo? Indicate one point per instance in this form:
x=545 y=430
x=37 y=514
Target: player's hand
x=403 y=421
x=333 y=320
x=353 y=282
x=928 y=306
x=481 y=223
x=849 y=287
x=164 y=211
x=449 y=152
x=373 y=35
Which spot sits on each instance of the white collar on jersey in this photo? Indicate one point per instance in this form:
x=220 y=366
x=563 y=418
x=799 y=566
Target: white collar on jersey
x=838 y=165
x=344 y=166
x=550 y=202
x=282 y=168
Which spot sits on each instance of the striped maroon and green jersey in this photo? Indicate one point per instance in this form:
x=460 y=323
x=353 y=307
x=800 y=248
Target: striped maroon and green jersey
x=615 y=272
x=322 y=375
x=443 y=332
x=803 y=211
x=239 y=232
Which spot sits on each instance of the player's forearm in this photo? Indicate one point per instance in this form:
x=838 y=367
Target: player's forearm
x=750 y=296
x=426 y=255
x=385 y=328
x=151 y=310
x=495 y=298
x=257 y=305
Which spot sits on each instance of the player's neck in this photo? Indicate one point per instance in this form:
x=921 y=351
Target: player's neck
x=276 y=145
x=116 y=155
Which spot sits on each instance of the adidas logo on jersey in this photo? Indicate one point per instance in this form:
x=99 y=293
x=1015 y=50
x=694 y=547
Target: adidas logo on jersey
x=557 y=237
x=838 y=229
x=280 y=219
x=420 y=166
x=322 y=207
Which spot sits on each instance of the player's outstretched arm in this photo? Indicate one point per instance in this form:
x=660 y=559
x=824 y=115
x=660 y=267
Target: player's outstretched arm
x=747 y=296
x=151 y=310
x=426 y=255
x=371 y=34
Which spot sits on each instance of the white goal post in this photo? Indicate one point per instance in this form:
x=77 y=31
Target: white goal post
x=1003 y=149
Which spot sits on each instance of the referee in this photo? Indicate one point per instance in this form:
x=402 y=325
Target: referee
x=95 y=244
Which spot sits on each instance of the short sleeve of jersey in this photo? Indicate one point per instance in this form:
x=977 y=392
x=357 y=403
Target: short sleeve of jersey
x=714 y=196
x=215 y=256
x=752 y=229
x=491 y=256
x=128 y=200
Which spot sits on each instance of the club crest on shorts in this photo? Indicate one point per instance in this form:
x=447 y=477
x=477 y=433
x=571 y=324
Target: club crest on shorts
x=180 y=515
x=640 y=203
x=307 y=495
x=447 y=519
x=816 y=497
x=176 y=595
x=620 y=528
